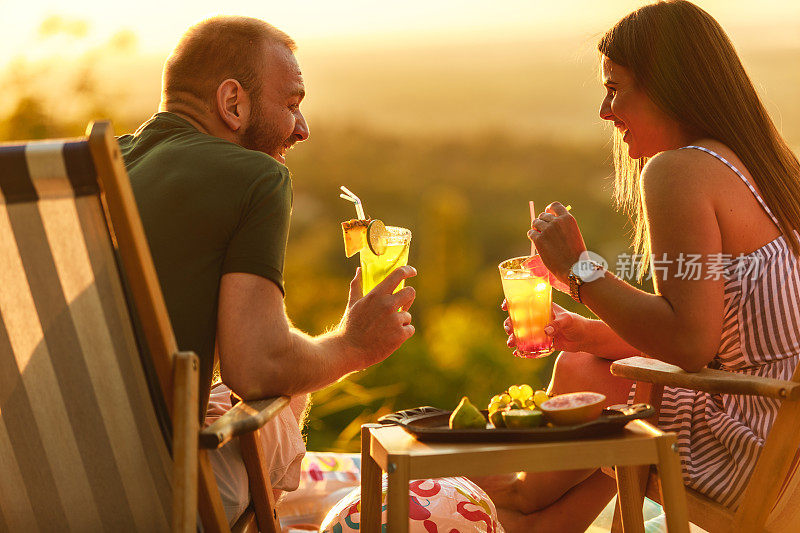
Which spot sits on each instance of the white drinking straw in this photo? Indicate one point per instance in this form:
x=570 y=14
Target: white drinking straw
x=533 y=217
x=353 y=198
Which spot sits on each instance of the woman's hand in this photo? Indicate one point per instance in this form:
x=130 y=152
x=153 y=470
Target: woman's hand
x=570 y=331
x=558 y=240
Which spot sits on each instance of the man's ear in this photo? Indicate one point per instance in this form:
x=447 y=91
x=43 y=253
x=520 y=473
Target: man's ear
x=233 y=105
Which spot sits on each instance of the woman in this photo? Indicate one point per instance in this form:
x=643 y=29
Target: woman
x=705 y=175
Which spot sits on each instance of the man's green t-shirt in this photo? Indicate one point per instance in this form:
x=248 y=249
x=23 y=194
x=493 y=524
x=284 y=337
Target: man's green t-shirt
x=209 y=207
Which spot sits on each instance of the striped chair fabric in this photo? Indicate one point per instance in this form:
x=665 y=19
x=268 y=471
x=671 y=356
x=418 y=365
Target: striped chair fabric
x=81 y=448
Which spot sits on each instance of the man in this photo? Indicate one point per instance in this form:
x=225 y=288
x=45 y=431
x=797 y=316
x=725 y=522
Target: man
x=215 y=199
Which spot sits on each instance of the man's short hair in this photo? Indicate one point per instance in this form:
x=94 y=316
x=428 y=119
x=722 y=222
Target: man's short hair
x=217 y=49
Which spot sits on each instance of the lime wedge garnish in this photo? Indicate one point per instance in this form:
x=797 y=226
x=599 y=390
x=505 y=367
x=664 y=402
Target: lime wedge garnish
x=377 y=237
x=523 y=418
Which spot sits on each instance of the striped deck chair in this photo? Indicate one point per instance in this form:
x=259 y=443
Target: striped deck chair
x=99 y=422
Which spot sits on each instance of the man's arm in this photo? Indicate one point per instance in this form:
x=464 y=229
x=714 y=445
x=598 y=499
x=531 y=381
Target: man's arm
x=262 y=355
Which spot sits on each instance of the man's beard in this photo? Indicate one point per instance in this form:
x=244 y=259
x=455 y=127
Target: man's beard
x=262 y=135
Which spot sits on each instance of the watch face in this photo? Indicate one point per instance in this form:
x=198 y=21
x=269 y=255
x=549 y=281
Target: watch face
x=588 y=268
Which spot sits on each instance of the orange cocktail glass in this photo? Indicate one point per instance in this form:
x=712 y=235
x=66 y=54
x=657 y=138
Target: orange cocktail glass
x=529 y=299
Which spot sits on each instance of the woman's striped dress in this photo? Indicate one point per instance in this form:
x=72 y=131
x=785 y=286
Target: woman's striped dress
x=719 y=435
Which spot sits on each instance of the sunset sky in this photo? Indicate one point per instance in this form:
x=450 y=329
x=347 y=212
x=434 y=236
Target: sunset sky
x=417 y=66
x=158 y=23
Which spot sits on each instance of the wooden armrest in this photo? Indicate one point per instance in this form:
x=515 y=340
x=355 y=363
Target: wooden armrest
x=707 y=379
x=243 y=417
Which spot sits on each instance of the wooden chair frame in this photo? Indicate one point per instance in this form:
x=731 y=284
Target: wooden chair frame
x=193 y=478
x=770 y=501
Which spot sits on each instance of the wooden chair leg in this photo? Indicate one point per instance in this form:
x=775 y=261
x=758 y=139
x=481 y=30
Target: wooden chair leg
x=632 y=480
x=370 y=484
x=631 y=485
x=673 y=493
x=261 y=492
x=209 y=503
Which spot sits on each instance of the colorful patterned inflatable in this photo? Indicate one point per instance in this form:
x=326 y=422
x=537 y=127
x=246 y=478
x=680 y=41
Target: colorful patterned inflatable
x=325 y=478
x=443 y=505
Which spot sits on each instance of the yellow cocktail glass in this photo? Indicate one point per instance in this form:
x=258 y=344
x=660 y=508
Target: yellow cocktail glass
x=529 y=301
x=374 y=268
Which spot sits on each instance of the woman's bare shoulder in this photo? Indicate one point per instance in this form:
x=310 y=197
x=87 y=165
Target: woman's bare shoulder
x=678 y=172
x=678 y=197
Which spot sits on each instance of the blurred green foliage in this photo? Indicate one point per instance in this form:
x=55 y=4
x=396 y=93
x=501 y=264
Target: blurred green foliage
x=465 y=198
x=466 y=202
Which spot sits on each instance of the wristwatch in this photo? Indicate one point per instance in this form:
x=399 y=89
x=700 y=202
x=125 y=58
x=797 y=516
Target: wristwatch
x=583 y=271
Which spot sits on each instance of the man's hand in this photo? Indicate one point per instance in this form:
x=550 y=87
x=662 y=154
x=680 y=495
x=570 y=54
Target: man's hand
x=261 y=354
x=376 y=324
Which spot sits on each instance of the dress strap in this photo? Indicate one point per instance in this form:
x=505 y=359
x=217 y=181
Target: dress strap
x=738 y=173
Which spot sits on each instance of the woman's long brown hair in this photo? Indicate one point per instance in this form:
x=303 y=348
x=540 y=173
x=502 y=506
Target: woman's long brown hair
x=683 y=60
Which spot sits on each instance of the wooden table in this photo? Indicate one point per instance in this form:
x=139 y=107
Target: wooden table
x=391 y=449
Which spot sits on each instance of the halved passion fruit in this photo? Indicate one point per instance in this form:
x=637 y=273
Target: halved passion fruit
x=355 y=236
x=573 y=408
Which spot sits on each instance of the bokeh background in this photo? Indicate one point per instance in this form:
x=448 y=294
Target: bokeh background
x=444 y=116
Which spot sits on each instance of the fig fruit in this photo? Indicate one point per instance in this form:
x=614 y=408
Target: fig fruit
x=467 y=416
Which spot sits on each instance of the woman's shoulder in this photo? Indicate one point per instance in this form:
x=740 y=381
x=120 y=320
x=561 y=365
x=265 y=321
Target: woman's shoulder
x=674 y=172
x=705 y=154
x=692 y=169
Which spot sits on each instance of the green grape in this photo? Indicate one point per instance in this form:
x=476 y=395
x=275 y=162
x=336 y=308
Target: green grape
x=526 y=391
x=505 y=398
x=514 y=392
x=540 y=397
x=529 y=403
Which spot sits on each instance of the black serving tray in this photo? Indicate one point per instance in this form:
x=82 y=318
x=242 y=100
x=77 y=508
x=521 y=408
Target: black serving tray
x=431 y=424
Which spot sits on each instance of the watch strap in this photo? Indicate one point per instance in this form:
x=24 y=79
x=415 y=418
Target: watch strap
x=575 y=286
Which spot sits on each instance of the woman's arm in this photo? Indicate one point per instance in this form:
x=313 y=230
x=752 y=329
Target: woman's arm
x=682 y=323
x=607 y=344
